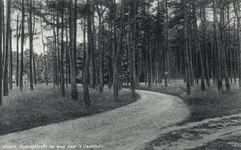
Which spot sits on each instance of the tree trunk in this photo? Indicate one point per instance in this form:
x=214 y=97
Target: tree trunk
x=22 y=47
x=54 y=52
x=92 y=57
x=10 y=62
x=45 y=61
x=188 y=81
x=131 y=50
x=6 y=57
x=237 y=13
x=17 y=47
x=62 y=50
x=31 y=46
x=74 y=93
x=58 y=51
x=1 y=34
x=67 y=66
x=217 y=41
x=116 y=53
x=167 y=43
x=223 y=47
x=100 y=49
x=205 y=45
x=198 y=49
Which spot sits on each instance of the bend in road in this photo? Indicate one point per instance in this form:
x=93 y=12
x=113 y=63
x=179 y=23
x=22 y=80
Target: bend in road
x=122 y=128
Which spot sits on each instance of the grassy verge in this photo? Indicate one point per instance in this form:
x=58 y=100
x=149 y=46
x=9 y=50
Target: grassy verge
x=45 y=105
x=203 y=104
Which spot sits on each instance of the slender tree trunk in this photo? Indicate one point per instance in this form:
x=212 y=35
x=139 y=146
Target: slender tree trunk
x=205 y=45
x=58 y=51
x=148 y=57
x=33 y=30
x=67 y=75
x=224 y=48
x=74 y=93
x=22 y=47
x=54 y=51
x=87 y=56
x=1 y=34
x=237 y=13
x=31 y=46
x=110 y=77
x=116 y=52
x=10 y=62
x=62 y=50
x=100 y=48
x=34 y=70
x=217 y=41
x=188 y=81
x=70 y=42
x=234 y=49
x=167 y=43
x=157 y=56
x=92 y=57
x=17 y=47
x=84 y=43
x=6 y=57
x=45 y=61
x=198 y=49
x=131 y=50
x=190 y=56
x=134 y=48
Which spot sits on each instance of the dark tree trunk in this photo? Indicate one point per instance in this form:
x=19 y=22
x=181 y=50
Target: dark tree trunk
x=31 y=46
x=67 y=66
x=62 y=50
x=131 y=50
x=116 y=53
x=22 y=47
x=1 y=34
x=17 y=47
x=187 y=66
x=217 y=41
x=223 y=50
x=7 y=47
x=10 y=62
x=100 y=49
x=74 y=93
x=92 y=57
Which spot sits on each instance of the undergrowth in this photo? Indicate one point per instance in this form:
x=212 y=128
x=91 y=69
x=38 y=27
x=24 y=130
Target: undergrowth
x=203 y=104
x=45 y=105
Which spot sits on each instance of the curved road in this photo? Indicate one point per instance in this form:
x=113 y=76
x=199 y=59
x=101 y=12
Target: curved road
x=123 y=128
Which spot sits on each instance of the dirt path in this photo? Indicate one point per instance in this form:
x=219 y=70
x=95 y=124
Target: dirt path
x=124 y=128
x=214 y=134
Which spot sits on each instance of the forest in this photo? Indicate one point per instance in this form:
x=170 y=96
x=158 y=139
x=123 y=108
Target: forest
x=119 y=43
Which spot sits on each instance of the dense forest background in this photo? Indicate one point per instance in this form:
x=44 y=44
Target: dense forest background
x=122 y=43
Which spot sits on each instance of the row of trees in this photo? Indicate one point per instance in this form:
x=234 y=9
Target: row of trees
x=125 y=42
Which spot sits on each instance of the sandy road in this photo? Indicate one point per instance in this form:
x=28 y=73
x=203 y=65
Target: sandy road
x=121 y=129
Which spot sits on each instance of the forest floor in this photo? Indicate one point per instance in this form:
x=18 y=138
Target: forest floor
x=214 y=122
x=45 y=105
x=124 y=128
x=220 y=133
x=205 y=120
